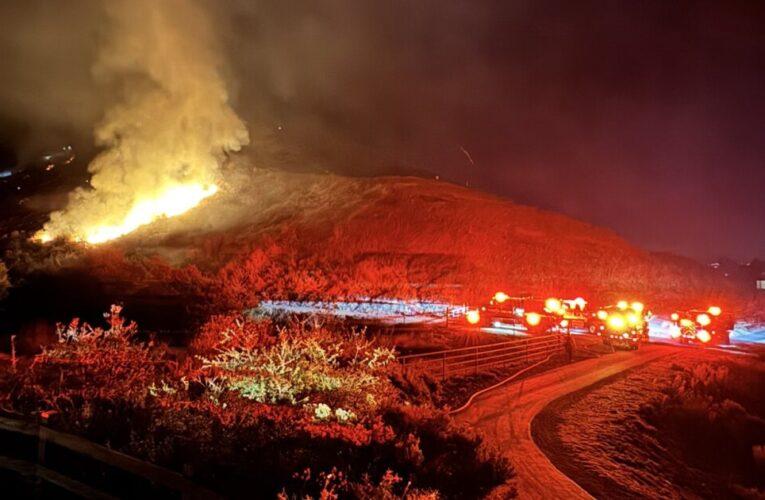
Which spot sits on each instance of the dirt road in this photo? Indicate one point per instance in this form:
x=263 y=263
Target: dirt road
x=505 y=414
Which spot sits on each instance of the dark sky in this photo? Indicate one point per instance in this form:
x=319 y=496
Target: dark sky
x=644 y=116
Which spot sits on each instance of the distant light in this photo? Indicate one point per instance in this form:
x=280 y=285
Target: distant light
x=715 y=311
x=622 y=304
x=675 y=316
x=632 y=318
x=703 y=336
x=602 y=314
x=703 y=319
x=564 y=323
x=501 y=297
x=552 y=305
x=616 y=322
x=473 y=316
x=533 y=318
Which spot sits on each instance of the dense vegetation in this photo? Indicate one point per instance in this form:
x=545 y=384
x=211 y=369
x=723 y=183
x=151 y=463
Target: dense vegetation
x=300 y=410
x=287 y=235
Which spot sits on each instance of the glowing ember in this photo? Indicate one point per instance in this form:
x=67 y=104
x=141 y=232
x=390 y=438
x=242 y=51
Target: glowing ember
x=172 y=202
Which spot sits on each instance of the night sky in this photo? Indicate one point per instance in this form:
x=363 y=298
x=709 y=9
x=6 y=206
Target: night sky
x=646 y=116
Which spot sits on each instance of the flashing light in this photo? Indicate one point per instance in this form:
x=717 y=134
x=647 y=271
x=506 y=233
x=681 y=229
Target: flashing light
x=602 y=315
x=715 y=311
x=626 y=335
x=501 y=297
x=552 y=305
x=473 y=316
x=638 y=307
x=674 y=332
x=675 y=316
x=616 y=322
x=622 y=304
x=580 y=302
x=632 y=318
x=686 y=322
x=533 y=319
x=564 y=323
x=703 y=336
x=703 y=319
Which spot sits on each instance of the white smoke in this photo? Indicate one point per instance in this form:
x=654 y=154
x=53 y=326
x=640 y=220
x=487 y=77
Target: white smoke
x=174 y=124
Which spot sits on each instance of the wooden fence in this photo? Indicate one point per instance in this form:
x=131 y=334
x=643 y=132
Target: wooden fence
x=51 y=464
x=467 y=360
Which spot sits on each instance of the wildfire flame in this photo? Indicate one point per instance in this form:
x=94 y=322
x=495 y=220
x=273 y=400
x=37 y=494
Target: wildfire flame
x=172 y=202
x=164 y=141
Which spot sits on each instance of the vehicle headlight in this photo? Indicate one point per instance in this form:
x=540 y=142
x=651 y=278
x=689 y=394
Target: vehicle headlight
x=616 y=321
x=533 y=319
x=602 y=315
x=633 y=319
x=703 y=319
x=473 y=316
x=703 y=336
x=552 y=305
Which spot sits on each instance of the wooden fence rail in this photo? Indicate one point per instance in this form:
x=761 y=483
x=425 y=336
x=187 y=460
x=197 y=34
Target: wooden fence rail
x=53 y=461
x=466 y=360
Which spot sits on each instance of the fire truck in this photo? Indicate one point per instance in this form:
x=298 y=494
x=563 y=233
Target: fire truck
x=710 y=326
x=622 y=325
x=528 y=313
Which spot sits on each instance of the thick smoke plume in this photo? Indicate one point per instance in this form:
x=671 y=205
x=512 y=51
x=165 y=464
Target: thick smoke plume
x=174 y=125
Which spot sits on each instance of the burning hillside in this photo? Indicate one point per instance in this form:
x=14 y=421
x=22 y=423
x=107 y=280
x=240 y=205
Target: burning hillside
x=271 y=234
x=165 y=140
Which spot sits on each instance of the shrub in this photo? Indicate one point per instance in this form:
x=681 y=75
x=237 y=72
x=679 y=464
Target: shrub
x=331 y=373
x=259 y=403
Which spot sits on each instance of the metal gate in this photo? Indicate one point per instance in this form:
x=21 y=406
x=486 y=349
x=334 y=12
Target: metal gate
x=467 y=360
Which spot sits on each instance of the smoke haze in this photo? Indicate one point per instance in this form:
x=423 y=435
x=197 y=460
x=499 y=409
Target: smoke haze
x=643 y=116
x=173 y=125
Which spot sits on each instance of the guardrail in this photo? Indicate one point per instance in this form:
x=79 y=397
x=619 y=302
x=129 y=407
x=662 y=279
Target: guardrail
x=49 y=464
x=467 y=360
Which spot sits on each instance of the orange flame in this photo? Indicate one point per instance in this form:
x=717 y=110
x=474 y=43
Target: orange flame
x=172 y=202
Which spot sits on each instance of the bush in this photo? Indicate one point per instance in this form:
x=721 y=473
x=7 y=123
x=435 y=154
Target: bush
x=304 y=363
x=258 y=403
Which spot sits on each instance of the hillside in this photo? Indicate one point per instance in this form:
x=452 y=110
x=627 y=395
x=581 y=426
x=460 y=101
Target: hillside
x=271 y=234
x=415 y=236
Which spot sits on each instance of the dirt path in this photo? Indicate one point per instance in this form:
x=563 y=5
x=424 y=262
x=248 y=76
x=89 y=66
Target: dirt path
x=506 y=414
